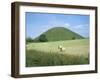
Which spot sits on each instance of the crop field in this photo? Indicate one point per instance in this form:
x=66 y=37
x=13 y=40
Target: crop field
x=47 y=53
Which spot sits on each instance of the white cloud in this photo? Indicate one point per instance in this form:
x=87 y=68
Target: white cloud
x=67 y=25
x=81 y=26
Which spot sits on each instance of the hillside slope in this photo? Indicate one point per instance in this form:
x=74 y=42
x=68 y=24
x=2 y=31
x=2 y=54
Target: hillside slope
x=60 y=33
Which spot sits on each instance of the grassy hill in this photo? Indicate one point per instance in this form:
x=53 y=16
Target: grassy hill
x=47 y=53
x=60 y=33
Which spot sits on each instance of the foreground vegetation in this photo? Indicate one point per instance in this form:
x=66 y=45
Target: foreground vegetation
x=48 y=54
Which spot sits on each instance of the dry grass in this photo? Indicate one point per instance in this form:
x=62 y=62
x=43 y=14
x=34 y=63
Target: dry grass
x=48 y=54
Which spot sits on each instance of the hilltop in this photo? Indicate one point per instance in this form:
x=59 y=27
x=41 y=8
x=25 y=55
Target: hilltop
x=60 y=33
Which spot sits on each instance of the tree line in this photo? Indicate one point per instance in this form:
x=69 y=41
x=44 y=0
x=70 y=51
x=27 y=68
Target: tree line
x=42 y=38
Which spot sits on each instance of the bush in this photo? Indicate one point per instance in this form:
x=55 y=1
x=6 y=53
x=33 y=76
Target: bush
x=73 y=38
x=29 y=40
x=43 y=38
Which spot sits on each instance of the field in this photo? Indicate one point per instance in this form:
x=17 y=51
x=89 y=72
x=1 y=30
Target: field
x=47 y=53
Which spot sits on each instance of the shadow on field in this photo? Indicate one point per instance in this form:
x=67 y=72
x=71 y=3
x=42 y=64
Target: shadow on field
x=37 y=58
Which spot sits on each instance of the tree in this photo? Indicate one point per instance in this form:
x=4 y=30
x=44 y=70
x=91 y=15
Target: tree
x=73 y=38
x=29 y=40
x=43 y=38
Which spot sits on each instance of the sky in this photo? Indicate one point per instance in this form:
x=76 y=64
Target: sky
x=37 y=23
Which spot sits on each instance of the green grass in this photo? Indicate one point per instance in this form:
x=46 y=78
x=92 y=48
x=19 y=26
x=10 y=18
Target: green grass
x=48 y=54
x=60 y=33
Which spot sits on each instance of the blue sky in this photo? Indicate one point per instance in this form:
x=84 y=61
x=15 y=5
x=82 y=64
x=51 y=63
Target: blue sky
x=37 y=23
